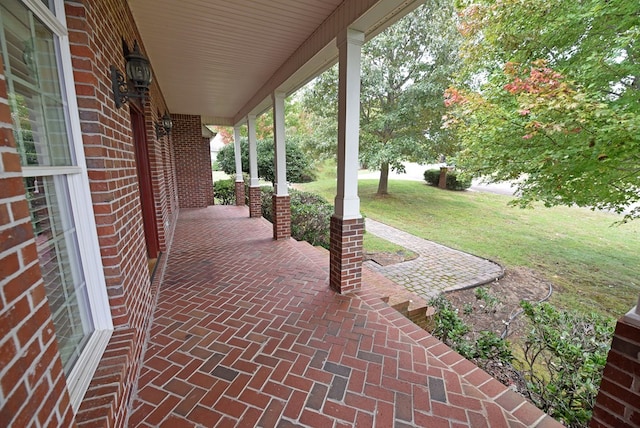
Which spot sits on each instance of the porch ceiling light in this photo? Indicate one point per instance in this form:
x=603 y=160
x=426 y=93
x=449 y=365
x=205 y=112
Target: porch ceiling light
x=138 y=72
x=163 y=126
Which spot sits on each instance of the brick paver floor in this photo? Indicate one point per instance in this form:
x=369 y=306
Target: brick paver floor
x=436 y=269
x=247 y=333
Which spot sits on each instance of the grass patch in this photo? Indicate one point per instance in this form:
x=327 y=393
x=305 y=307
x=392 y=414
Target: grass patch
x=220 y=175
x=593 y=265
x=374 y=244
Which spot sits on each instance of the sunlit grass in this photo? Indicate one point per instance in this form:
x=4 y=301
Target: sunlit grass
x=374 y=244
x=593 y=265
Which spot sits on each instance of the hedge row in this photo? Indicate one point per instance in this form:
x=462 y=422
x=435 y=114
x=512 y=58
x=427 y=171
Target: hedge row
x=454 y=182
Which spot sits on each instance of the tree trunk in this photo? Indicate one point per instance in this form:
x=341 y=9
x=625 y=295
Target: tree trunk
x=384 y=179
x=442 y=182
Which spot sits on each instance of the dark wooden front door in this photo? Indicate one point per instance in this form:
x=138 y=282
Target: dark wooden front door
x=144 y=181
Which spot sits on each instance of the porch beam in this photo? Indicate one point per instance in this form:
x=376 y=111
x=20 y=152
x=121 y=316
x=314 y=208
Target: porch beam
x=347 y=225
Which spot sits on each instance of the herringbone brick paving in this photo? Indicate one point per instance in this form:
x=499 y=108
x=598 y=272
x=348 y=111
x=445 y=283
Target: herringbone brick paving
x=247 y=333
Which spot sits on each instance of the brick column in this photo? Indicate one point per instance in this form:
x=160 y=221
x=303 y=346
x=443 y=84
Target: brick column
x=281 y=217
x=255 y=204
x=240 y=193
x=346 y=254
x=618 y=401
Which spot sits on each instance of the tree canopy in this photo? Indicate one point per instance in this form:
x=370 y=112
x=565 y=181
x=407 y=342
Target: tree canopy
x=549 y=96
x=405 y=71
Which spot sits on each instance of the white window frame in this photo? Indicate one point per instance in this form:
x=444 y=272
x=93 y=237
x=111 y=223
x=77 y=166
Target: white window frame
x=83 y=215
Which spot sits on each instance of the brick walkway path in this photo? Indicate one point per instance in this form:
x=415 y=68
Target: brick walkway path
x=247 y=333
x=437 y=268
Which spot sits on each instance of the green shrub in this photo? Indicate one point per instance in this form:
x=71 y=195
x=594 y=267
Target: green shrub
x=456 y=183
x=453 y=182
x=449 y=327
x=310 y=215
x=310 y=218
x=224 y=192
x=299 y=165
x=491 y=302
x=266 y=202
x=565 y=353
x=432 y=176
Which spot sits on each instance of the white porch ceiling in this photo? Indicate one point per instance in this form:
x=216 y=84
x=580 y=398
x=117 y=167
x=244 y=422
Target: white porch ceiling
x=222 y=59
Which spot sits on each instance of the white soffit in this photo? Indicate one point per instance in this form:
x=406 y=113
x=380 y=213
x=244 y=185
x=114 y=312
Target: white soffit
x=222 y=58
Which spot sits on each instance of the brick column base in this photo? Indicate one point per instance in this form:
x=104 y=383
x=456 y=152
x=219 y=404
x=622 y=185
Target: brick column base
x=240 y=193
x=255 y=204
x=618 y=401
x=281 y=217
x=345 y=254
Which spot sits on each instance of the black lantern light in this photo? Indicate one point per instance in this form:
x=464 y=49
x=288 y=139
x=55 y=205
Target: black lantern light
x=163 y=126
x=138 y=71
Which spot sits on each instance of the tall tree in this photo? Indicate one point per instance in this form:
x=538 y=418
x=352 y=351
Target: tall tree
x=548 y=95
x=405 y=71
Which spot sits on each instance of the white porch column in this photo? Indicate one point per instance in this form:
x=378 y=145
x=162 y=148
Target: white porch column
x=347 y=225
x=237 y=152
x=347 y=202
x=253 y=151
x=255 y=204
x=281 y=202
x=239 y=186
x=279 y=142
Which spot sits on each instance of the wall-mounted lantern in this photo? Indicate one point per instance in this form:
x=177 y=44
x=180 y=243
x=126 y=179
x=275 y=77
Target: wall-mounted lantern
x=138 y=71
x=163 y=126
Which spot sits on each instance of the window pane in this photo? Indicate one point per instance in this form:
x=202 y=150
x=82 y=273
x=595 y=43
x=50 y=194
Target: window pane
x=48 y=3
x=29 y=54
x=58 y=254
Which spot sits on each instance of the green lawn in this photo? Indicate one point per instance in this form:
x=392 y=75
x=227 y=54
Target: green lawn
x=593 y=265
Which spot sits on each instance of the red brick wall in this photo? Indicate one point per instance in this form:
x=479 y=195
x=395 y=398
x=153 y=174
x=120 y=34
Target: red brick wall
x=96 y=32
x=240 y=193
x=255 y=202
x=32 y=383
x=193 y=162
x=345 y=254
x=162 y=173
x=618 y=402
x=281 y=208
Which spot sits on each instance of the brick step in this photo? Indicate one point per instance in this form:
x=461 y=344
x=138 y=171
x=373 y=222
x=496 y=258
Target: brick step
x=402 y=300
x=317 y=255
x=409 y=304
